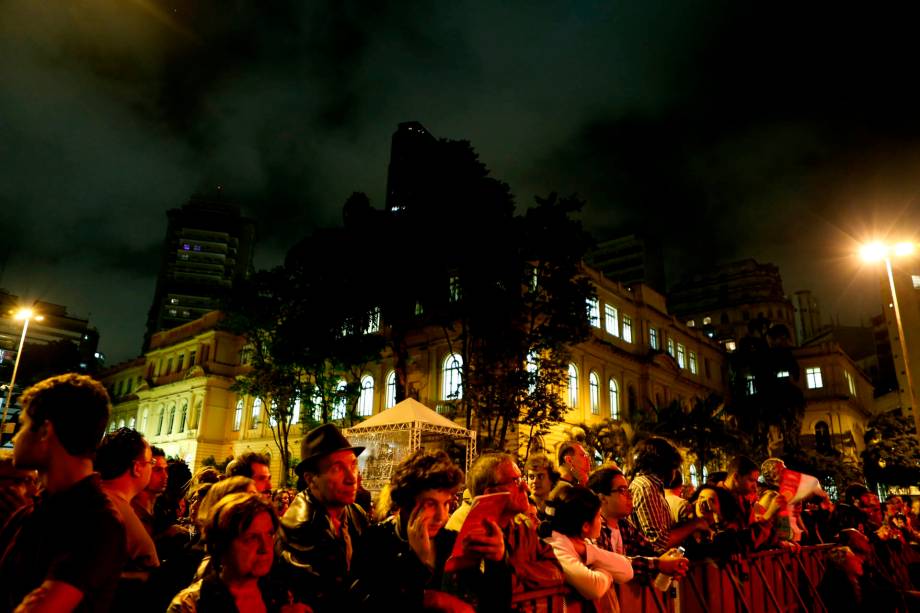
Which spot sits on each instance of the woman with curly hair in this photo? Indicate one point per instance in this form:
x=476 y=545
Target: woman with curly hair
x=401 y=559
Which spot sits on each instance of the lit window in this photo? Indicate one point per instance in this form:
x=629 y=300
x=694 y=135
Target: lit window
x=454 y=288
x=594 y=389
x=851 y=382
x=340 y=404
x=627 y=328
x=681 y=356
x=131 y=423
x=594 y=312
x=419 y=309
x=238 y=416
x=783 y=374
x=295 y=414
x=121 y=422
x=272 y=413
x=813 y=377
x=653 y=338
x=671 y=347
x=391 y=390
x=531 y=367
x=692 y=363
x=614 y=399
x=730 y=346
x=749 y=387
x=707 y=321
x=691 y=324
x=534 y=279
x=366 y=399
x=573 y=386
x=373 y=321
x=452 y=379
x=256 y=413
x=611 y=320
x=915 y=279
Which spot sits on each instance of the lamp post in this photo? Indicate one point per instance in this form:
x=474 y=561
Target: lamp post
x=26 y=315
x=873 y=252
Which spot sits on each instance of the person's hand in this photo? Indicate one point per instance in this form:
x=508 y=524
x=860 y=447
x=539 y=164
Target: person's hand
x=435 y=600
x=488 y=542
x=790 y=546
x=418 y=535
x=673 y=565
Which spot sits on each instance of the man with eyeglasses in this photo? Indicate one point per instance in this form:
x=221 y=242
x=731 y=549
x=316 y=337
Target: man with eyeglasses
x=617 y=535
x=124 y=461
x=146 y=499
x=514 y=557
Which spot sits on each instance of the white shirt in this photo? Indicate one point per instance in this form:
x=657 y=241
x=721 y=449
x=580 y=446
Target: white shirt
x=593 y=577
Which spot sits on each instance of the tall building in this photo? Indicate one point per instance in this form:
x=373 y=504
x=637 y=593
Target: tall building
x=906 y=274
x=724 y=301
x=411 y=151
x=208 y=247
x=807 y=315
x=629 y=260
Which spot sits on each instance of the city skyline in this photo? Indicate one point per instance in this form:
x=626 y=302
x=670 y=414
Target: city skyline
x=729 y=132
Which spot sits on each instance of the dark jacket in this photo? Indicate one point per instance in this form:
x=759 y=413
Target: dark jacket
x=388 y=571
x=311 y=557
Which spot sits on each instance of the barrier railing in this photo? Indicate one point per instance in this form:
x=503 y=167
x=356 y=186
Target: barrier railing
x=769 y=581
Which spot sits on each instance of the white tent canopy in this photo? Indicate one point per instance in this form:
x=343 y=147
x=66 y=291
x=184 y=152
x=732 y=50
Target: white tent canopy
x=394 y=434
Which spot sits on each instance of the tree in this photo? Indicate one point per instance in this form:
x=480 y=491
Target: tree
x=762 y=372
x=892 y=454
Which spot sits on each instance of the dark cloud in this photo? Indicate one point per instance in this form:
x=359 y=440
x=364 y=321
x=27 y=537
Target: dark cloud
x=727 y=129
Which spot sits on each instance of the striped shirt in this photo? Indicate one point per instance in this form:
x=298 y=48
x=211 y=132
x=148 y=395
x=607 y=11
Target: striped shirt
x=651 y=514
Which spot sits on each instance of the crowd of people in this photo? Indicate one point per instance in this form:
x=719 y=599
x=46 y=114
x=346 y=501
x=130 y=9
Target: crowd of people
x=114 y=525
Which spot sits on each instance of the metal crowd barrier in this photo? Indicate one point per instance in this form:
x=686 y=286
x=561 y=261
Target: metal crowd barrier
x=766 y=582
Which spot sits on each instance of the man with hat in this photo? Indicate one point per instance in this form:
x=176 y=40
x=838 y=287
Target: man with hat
x=323 y=522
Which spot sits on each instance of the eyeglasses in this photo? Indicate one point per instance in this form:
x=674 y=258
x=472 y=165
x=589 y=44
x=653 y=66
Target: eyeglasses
x=623 y=490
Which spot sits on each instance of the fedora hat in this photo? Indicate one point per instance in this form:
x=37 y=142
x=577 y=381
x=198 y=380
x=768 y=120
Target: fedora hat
x=322 y=441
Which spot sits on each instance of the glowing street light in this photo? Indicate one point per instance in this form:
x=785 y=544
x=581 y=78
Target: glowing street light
x=26 y=315
x=877 y=251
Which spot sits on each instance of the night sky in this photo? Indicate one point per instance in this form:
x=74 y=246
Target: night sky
x=729 y=130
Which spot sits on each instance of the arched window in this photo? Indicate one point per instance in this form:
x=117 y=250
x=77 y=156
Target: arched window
x=614 y=399
x=822 y=436
x=183 y=415
x=366 y=400
x=131 y=422
x=196 y=416
x=531 y=368
x=121 y=422
x=238 y=416
x=144 y=421
x=391 y=390
x=339 y=406
x=256 y=413
x=573 y=386
x=170 y=417
x=594 y=393
x=272 y=414
x=452 y=381
x=295 y=414
x=160 y=420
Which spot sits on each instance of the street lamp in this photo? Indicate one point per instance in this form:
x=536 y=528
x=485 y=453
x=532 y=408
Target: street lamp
x=26 y=315
x=873 y=252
